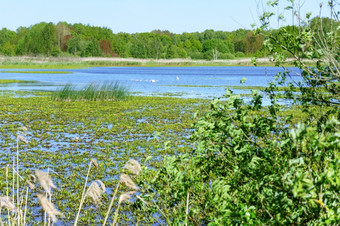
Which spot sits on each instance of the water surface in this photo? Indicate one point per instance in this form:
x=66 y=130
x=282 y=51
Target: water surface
x=187 y=82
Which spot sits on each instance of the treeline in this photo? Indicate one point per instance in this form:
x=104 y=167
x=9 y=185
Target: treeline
x=65 y=39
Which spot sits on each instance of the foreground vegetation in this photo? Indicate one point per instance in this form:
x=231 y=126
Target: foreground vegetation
x=64 y=136
x=245 y=163
x=232 y=141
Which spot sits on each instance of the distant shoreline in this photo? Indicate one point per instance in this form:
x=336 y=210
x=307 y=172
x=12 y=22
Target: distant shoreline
x=78 y=62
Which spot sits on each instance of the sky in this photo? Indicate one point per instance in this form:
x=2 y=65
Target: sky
x=133 y=16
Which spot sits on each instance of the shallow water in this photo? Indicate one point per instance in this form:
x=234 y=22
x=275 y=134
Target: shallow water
x=187 y=82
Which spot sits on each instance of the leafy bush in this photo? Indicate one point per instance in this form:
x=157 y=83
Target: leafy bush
x=252 y=165
x=313 y=49
x=227 y=56
x=196 y=55
x=240 y=54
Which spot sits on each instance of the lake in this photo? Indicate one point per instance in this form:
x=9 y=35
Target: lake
x=187 y=82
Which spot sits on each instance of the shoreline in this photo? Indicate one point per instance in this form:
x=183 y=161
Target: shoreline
x=79 y=62
x=40 y=62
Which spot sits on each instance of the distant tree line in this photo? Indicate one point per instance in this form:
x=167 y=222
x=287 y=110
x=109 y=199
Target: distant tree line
x=63 y=39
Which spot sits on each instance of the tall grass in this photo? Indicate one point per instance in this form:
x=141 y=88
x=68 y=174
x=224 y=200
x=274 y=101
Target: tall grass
x=94 y=91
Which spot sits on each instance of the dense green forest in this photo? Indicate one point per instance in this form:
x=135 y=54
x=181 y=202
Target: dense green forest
x=63 y=39
x=84 y=40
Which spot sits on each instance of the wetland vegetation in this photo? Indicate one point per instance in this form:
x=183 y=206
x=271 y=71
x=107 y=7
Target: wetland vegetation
x=65 y=136
x=94 y=91
x=162 y=160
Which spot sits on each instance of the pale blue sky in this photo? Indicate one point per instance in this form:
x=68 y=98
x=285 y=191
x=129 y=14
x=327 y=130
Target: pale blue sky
x=141 y=15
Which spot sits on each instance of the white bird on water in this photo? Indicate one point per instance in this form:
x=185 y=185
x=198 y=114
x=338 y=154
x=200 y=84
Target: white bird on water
x=177 y=77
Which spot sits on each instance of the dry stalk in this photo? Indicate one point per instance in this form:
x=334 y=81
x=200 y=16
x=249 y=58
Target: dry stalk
x=30 y=184
x=25 y=206
x=13 y=183
x=187 y=209
x=111 y=203
x=83 y=193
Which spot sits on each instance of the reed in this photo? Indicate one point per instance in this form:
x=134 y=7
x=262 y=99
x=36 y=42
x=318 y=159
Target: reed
x=18 y=204
x=49 y=207
x=95 y=190
x=134 y=168
x=93 y=92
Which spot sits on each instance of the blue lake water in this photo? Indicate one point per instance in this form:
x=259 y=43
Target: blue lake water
x=155 y=81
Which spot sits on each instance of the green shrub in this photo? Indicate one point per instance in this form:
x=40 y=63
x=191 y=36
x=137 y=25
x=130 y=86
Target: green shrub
x=251 y=165
x=226 y=56
x=56 y=51
x=240 y=54
x=196 y=55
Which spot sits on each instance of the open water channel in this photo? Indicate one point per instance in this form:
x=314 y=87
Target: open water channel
x=186 y=82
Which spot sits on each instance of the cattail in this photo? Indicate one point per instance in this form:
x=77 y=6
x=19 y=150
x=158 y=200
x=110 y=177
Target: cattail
x=23 y=139
x=6 y=202
x=95 y=191
x=49 y=207
x=45 y=181
x=133 y=166
x=125 y=179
